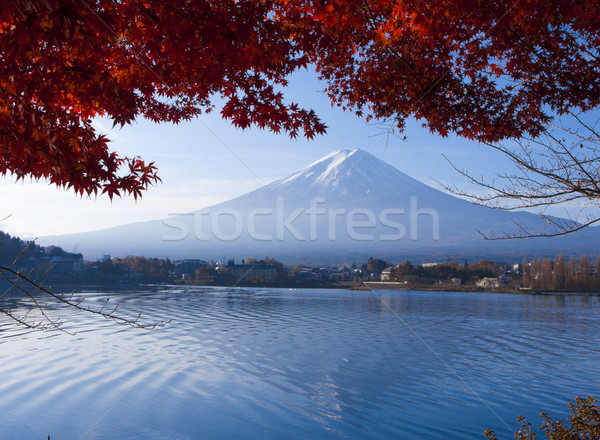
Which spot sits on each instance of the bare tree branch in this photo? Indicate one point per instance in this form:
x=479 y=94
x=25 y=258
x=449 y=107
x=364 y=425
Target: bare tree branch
x=561 y=167
x=32 y=289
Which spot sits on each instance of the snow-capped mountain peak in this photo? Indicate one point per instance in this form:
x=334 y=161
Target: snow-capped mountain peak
x=346 y=203
x=324 y=168
x=347 y=175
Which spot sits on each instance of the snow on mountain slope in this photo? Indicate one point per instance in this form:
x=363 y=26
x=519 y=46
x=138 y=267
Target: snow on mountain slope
x=342 y=176
x=347 y=204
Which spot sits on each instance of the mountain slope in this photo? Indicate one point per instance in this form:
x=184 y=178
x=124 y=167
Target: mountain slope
x=346 y=205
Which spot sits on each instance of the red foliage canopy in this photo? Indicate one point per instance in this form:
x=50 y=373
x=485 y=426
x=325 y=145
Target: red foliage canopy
x=64 y=62
x=484 y=69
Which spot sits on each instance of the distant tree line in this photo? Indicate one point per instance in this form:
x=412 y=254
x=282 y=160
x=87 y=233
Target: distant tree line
x=13 y=248
x=375 y=265
x=558 y=274
x=444 y=271
x=134 y=269
x=406 y=271
x=281 y=273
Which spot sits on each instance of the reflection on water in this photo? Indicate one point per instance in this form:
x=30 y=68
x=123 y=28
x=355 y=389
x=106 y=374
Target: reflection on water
x=273 y=363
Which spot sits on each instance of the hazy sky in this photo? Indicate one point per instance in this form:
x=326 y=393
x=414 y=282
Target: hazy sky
x=207 y=161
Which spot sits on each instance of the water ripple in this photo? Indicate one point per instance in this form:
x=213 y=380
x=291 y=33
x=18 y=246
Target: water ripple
x=271 y=363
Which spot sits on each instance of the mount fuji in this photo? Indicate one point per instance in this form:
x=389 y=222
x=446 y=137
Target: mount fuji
x=344 y=207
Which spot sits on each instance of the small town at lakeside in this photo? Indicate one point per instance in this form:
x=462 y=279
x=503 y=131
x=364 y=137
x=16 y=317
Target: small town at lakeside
x=55 y=265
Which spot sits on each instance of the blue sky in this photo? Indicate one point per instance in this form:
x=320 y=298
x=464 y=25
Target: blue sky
x=207 y=161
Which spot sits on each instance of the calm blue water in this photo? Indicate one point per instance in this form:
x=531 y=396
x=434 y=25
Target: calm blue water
x=305 y=364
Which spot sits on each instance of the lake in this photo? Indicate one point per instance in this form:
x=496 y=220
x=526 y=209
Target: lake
x=300 y=364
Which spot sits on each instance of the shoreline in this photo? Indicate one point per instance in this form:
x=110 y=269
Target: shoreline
x=363 y=286
x=383 y=285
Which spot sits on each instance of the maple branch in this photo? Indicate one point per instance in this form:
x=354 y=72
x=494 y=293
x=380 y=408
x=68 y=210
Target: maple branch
x=395 y=55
